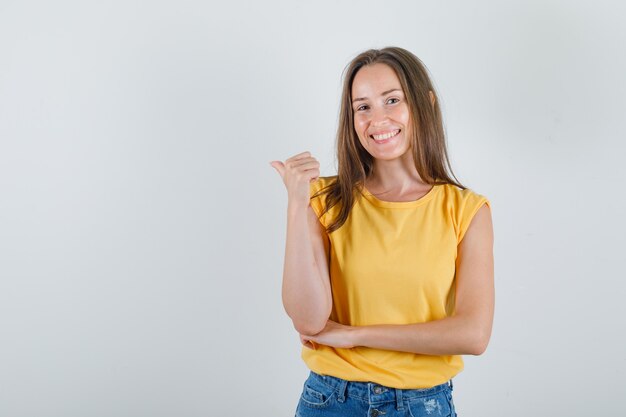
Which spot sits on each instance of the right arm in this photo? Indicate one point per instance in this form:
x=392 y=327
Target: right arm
x=306 y=292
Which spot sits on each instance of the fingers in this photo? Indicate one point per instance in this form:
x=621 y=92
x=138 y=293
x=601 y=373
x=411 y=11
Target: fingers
x=302 y=162
x=307 y=343
x=297 y=159
x=300 y=155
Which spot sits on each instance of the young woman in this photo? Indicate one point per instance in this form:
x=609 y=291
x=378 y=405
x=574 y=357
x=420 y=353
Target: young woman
x=388 y=273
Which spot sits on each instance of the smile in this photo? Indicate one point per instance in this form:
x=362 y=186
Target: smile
x=385 y=137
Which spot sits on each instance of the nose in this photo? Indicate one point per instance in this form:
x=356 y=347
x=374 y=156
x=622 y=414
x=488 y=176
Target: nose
x=379 y=116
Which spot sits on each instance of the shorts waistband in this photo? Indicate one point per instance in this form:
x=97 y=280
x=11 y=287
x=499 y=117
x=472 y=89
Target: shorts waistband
x=373 y=392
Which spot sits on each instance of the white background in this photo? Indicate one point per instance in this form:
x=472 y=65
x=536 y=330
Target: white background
x=142 y=228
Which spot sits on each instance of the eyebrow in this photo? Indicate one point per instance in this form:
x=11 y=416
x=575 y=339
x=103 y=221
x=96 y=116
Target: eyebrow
x=384 y=92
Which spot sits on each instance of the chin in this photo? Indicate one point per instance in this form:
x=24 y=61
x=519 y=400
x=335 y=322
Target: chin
x=389 y=156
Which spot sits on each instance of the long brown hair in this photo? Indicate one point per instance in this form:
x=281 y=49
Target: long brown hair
x=429 y=150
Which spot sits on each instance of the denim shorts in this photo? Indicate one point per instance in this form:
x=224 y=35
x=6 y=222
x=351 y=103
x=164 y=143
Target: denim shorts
x=329 y=396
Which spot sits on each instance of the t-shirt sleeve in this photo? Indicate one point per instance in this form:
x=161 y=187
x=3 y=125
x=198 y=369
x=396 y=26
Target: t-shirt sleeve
x=469 y=205
x=317 y=203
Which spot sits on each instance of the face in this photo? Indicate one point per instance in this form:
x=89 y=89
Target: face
x=381 y=113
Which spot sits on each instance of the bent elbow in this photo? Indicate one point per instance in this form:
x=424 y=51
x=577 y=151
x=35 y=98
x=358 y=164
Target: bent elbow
x=479 y=344
x=311 y=326
x=478 y=349
x=309 y=329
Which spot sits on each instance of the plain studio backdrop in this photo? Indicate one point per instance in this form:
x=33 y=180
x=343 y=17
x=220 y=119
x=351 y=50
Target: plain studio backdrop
x=142 y=228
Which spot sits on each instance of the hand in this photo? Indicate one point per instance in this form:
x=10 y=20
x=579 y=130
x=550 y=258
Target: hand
x=334 y=334
x=307 y=343
x=297 y=174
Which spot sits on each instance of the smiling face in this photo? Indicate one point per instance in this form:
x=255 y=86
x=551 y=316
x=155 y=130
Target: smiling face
x=381 y=112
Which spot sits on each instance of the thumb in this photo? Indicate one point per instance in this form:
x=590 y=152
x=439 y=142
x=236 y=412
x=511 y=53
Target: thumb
x=278 y=166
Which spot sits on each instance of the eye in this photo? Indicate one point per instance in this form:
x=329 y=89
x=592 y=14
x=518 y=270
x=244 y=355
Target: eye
x=393 y=99
x=360 y=107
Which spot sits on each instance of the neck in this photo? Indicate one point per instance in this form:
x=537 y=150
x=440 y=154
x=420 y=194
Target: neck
x=398 y=175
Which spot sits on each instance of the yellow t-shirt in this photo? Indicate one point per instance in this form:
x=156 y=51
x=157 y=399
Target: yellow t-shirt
x=393 y=263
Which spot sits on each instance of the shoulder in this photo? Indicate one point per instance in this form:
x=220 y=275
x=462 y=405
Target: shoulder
x=317 y=195
x=322 y=182
x=462 y=206
x=458 y=196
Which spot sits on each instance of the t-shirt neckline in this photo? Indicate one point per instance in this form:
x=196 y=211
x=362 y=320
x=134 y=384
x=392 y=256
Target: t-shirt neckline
x=400 y=204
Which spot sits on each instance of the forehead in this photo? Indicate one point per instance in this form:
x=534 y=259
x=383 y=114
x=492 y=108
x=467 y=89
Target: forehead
x=374 y=79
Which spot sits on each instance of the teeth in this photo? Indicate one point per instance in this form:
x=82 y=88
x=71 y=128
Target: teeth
x=386 y=135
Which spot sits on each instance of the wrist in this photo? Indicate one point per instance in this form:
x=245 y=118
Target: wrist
x=357 y=335
x=295 y=207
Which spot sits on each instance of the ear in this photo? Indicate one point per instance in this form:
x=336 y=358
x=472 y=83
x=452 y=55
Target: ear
x=432 y=97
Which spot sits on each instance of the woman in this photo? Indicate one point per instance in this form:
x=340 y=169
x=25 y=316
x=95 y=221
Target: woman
x=388 y=273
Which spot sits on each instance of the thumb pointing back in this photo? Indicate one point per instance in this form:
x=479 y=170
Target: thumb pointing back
x=278 y=166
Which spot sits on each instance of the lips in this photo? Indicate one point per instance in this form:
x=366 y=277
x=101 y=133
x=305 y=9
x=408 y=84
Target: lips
x=383 y=137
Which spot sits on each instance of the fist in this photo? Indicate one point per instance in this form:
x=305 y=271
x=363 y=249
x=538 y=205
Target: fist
x=297 y=174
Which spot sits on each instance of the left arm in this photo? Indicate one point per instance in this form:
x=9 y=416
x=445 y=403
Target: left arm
x=467 y=332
